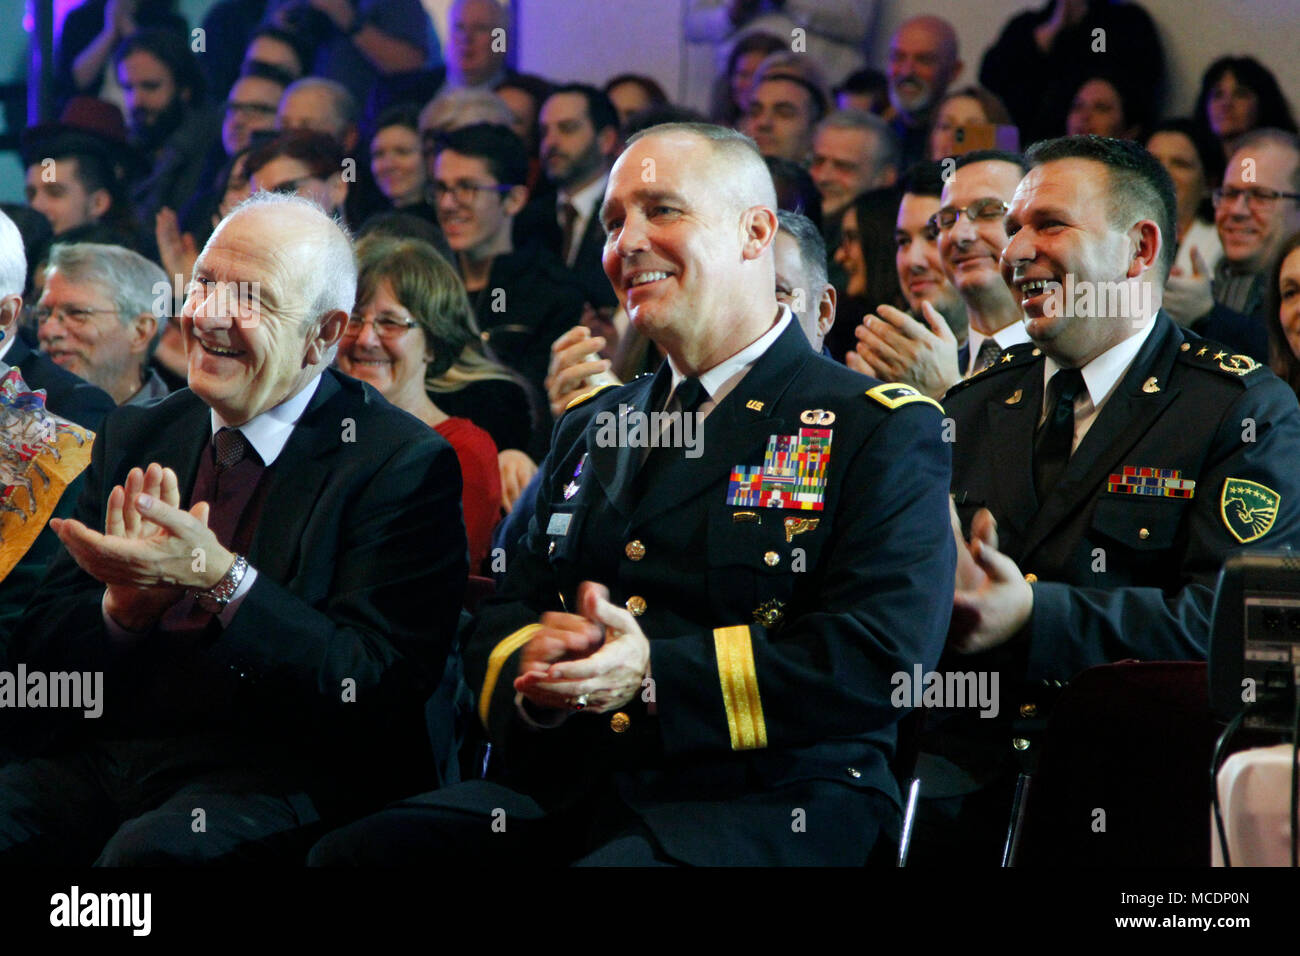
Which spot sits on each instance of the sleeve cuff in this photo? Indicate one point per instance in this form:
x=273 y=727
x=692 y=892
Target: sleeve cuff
x=228 y=612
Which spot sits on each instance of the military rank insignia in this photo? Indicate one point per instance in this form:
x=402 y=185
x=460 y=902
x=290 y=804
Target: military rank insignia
x=793 y=473
x=1162 y=482
x=1248 y=508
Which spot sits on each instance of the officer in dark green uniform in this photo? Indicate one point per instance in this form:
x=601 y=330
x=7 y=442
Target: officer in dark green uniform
x=692 y=659
x=1105 y=470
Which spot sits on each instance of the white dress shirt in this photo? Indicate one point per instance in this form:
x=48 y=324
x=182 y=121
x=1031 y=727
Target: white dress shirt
x=1100 y=377
x=586 y=201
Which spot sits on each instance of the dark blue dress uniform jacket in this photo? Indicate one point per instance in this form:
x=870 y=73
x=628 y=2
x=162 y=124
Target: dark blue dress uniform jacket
x=771 y=653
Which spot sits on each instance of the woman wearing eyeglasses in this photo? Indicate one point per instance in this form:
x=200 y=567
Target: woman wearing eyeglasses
x=411 y=326
x=866 y=254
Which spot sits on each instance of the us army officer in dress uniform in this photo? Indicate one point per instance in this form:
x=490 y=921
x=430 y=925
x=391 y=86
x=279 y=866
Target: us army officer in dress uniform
x=1107 y=468
x=691 y=660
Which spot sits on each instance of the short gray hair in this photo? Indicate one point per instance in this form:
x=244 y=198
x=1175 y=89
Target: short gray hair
x=741 y=151
x=334 y=267
x=13 y=258
x=343 y=102
x=888 y=150
x=129 y=279
x=812 y=247
x=1276 y=137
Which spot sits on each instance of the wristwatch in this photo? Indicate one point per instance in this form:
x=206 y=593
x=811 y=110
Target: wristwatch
x=215 y=599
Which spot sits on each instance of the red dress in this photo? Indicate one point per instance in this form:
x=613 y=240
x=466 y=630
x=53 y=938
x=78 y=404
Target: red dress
x=481 y=495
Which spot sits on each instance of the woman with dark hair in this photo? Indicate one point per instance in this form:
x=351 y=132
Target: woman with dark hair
x=410 y=325
x=91 y=31
x=731 y=89
x=301 y=162
x=1239 y=94
x=959 y=109
x=1283 y=314
x=866 y=254
x=634 y=93
x=397 y=161
x=1193 y=160
x=1105 y=105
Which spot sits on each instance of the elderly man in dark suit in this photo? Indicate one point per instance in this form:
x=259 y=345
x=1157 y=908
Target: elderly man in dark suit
x=694 y=655
x=272 y=596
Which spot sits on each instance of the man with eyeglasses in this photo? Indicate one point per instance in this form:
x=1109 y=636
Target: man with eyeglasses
x=523 y=299
x=96 y=318
x=1255 y=210
x=970 y=233
x=250 y=107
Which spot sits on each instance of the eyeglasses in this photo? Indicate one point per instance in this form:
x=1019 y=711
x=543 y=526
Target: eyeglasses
x=250 y=109
x=385 y=327
x=981 y=210
x=69 y=315
x=1257 y=198
x=464 y=194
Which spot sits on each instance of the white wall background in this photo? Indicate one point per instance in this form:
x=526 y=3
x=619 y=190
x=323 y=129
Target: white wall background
x=593 y=39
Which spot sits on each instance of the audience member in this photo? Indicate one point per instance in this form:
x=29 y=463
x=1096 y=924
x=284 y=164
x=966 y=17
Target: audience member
x=1104 y=106
x=300 y=162
x=523 y=298
x=1239 y=94
x=88 y=36
x=1284 y=314
x=279 y=49
x=321 y=106
x=98 y=318
x=795 y=189
x=732 y=88
x=169 y=121
x=632 y=93
x=76 y=172
x=1257 y=207
x=229 y=698
x=397 y=162
x=476 y=56
x=923 y=61
x=1194 y=162
x=853 y=152
x=799 y=258
x=455 y=109
x=579 y=140
x=701 y=776
x=957 y=113
x=1042 y=58
x=866 y=255
x=252 y=105
x=235 y=22
x=524 y=94
x=410 y=323
x=866 y=90
x=1100 y=391
x=927 y=348
x=782 y=111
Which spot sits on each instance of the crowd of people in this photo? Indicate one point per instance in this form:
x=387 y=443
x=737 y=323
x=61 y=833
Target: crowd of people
x=348 y=336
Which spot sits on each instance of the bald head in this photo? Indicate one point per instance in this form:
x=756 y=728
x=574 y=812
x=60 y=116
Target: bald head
x=923 y=61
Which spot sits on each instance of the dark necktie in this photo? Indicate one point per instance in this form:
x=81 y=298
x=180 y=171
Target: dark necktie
x=1055 y=438
x=568 y=219
x=686 y=398
x=231 y=447
x=986 y=356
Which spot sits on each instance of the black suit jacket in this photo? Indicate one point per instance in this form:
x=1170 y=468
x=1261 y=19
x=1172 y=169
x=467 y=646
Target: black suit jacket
x=323 y=671
x=539 y=222
x=771 y=653
x=66 y=395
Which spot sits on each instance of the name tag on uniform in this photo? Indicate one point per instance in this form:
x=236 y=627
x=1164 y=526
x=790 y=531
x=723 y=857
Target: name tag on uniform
x=559 y=524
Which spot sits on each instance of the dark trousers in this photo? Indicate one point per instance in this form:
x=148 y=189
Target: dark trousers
x=150 y=802
x=481 y=823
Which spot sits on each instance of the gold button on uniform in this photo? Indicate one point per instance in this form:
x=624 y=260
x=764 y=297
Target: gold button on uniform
x=771 y=559
x=635 y=550
x=1028 y=710
x=1020 y=743
x=620 y=722
x=636 y=604
x=1184 y=347
x=1143 y=533
x=1031 y=577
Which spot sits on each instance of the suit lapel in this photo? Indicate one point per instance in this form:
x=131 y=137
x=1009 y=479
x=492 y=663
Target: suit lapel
x=297 y=477
x=734 y=433
x=1126 y=417
x=1013 y=415
x=615 y=463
